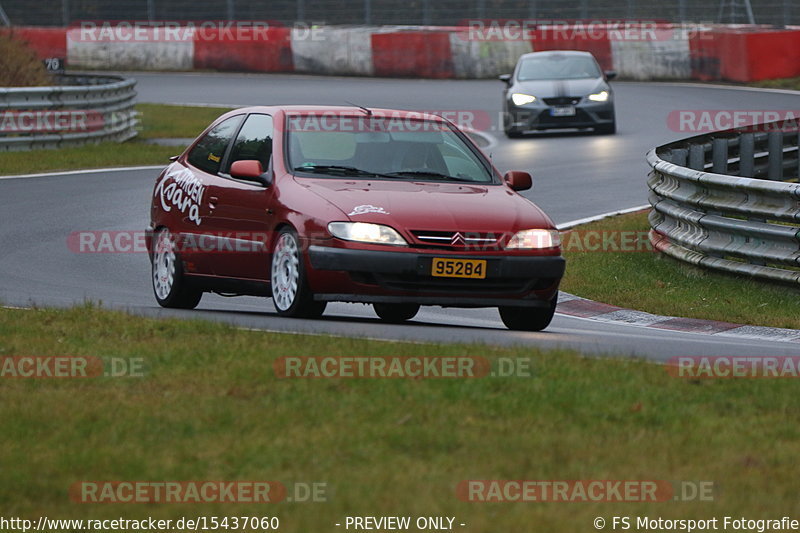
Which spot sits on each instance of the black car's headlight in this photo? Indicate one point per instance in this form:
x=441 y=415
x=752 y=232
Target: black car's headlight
x=602 y=96
x=522 y=98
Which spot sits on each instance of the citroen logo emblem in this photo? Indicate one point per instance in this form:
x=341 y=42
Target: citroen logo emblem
x=458 y=239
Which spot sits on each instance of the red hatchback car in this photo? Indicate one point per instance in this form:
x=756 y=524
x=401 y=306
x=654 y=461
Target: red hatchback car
x=309 y=204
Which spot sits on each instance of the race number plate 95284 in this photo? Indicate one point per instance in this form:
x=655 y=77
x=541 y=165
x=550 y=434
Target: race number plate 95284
x=458 y=268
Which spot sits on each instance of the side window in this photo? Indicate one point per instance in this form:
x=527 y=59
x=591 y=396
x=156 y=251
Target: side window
x=208 y=152
x=254 y=141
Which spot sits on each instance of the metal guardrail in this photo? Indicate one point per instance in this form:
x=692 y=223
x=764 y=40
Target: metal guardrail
x=82 y=109
x=726 y=201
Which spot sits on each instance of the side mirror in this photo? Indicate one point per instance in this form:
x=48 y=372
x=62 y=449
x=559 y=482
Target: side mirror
x=610 y=74
x=506 y=78
x=518 y=180
x=249 y=170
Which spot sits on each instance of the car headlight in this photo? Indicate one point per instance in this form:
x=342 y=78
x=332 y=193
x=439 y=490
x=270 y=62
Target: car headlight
x=534 y=238
x=602 y=96
x=522 y=99
x=365 y=232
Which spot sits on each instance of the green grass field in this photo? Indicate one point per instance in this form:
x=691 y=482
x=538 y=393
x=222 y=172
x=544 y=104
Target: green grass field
x=209 y=407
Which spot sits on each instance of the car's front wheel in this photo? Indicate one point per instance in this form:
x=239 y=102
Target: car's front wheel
x=290 y=292
x=528 y=318
x=396 y=313
x=169 y=284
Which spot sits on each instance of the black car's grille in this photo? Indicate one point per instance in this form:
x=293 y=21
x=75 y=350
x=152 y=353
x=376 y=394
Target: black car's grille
x=562 y=100
x=457 y=240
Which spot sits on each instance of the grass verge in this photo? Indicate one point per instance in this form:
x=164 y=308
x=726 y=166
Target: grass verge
x=650 y=282
x=210 y=408
x=157 y=122
x=782 y=83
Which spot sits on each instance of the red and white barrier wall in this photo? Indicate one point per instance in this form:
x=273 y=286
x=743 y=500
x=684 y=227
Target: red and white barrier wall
x=653 y=52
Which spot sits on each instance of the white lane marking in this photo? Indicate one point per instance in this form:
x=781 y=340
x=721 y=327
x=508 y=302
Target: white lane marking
x=595 y=218
x=83 y=171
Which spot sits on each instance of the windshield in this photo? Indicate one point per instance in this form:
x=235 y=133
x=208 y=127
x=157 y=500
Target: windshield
x=375 y=146
x=558 y=67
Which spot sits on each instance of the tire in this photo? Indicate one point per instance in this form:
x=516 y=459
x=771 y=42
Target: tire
x=290 y=293
x=527 y=318
x=396 y=313
x=607 y=129
x=169 y=284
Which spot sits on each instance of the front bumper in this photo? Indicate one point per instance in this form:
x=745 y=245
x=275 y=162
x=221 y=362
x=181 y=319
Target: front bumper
x=385 y=276
x=587 y=115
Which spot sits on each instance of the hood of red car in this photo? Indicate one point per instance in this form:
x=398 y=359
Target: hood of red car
x=436 y=206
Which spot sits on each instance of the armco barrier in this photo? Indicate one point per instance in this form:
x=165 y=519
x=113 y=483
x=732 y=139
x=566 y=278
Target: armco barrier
x=83 y=109
x=722 y=201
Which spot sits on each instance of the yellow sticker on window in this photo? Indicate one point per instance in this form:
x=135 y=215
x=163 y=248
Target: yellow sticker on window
x=214 y=158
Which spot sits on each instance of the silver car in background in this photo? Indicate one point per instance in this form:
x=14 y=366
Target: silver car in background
x=558 y=89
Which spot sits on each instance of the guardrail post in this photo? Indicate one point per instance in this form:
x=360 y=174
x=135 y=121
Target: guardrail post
x=678 y=156
x=747 y=150
x=697 y=157
x=775 y=159
x=719 y=156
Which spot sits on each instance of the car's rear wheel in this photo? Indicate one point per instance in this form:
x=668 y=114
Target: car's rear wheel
x=169 y=284
x=396 y=313
x=528 y=318
x=290 y=292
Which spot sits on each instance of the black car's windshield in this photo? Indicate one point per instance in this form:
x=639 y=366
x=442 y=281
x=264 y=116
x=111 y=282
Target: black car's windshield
x=558 y=67
x=377 y=146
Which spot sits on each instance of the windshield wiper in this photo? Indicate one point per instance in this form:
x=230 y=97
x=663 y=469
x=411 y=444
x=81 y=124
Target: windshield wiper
x=337 y=169
x=428 y=174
